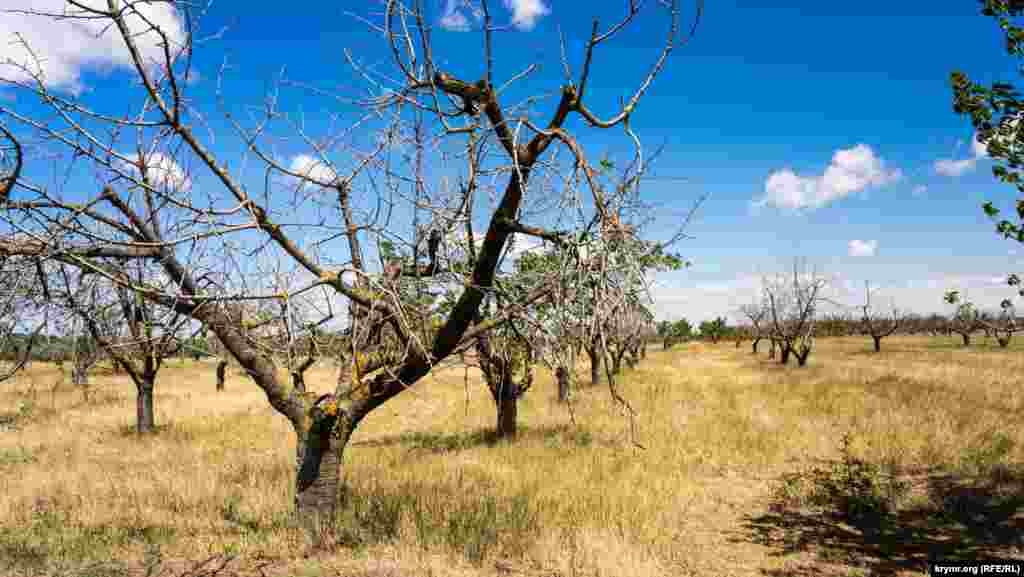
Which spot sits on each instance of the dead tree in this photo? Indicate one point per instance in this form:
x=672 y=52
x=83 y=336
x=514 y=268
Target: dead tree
x=184 y=233
x=792 y=304
x=875 y=325
x=757 y=313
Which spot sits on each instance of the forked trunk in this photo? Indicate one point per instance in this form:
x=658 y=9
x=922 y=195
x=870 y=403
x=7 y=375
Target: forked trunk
x=144 y=418
x=802 y=355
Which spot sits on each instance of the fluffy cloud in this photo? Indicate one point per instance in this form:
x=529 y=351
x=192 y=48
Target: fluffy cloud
x=312 y=167
x=453 y=17
x=64 y=48
x=164 y=173
x=525 y=13
x=863 y=247
x=954 y=167
x=852 y=170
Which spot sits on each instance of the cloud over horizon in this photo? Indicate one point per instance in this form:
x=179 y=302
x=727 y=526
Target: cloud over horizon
x=851 y=170
x=862 y=247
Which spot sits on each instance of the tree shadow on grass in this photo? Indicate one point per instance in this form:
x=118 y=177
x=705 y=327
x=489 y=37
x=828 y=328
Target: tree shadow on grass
x=955 y=518
x=437 y=442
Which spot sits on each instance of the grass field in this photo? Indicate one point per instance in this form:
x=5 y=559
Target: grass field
x=858 y=464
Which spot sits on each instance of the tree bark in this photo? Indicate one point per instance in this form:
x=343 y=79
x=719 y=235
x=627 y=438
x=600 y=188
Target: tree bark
x=319 y=455
x=507 y=398
x=222 y=366
x=595 y=366
x=967 y=339
x=753 y=345
x=784 y=353
x=878 y=343
x=562 y=374
x=145 y=420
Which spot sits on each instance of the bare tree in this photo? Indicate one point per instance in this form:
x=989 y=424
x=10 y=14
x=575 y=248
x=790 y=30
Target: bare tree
x=757 y=314
x=792 y=304
x=150 y=207
x=876 y=325
x=136 y=334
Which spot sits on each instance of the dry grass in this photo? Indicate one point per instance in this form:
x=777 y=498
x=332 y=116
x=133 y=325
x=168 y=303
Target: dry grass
x=709 y=495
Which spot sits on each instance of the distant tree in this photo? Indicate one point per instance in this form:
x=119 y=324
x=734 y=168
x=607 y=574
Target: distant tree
x=877 y=325
x=965 y=318
x=713 y=329
x=793 y=303
x=1004 y=324
x=757 y=313
x=674 y=332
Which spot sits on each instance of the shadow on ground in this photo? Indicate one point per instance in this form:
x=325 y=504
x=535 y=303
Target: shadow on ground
x=955 y=518
x=435 y=442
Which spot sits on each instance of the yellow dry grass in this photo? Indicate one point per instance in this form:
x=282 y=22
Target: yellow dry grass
x=431 y=497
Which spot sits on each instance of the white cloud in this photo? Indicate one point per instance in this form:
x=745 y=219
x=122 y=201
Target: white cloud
x=525 y=13
x=453 y=18
x=164 y=173
x=65 y=48
x=952 y=167
x=312 y=168
x=863 y=247
x=852 y=170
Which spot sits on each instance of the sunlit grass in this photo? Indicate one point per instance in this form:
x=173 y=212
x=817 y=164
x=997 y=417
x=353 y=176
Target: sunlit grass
x=429 y=493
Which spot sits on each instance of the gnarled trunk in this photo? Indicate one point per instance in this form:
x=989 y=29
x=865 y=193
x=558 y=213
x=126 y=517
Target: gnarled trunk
x=319 y=457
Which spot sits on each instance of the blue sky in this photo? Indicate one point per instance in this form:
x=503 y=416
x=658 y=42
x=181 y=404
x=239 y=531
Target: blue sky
x=818 y=129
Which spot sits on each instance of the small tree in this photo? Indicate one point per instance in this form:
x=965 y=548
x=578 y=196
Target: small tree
x=1004 y=324
x=793 y=303
x=965 y=318
x=757 y=314
x=876 y=325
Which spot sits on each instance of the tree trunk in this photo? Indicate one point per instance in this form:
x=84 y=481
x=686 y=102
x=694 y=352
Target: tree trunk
x=319 y=455
x=562 y=374
x=222 y=366
x=506 y=398
x=1003 y=341
x=802 y=356
x=967 y=339
x=80 y=374
x=643 y=350
x=753 y=346
x=144 y=419
x=595 y=366
x=784 y=353
x=878 y=343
